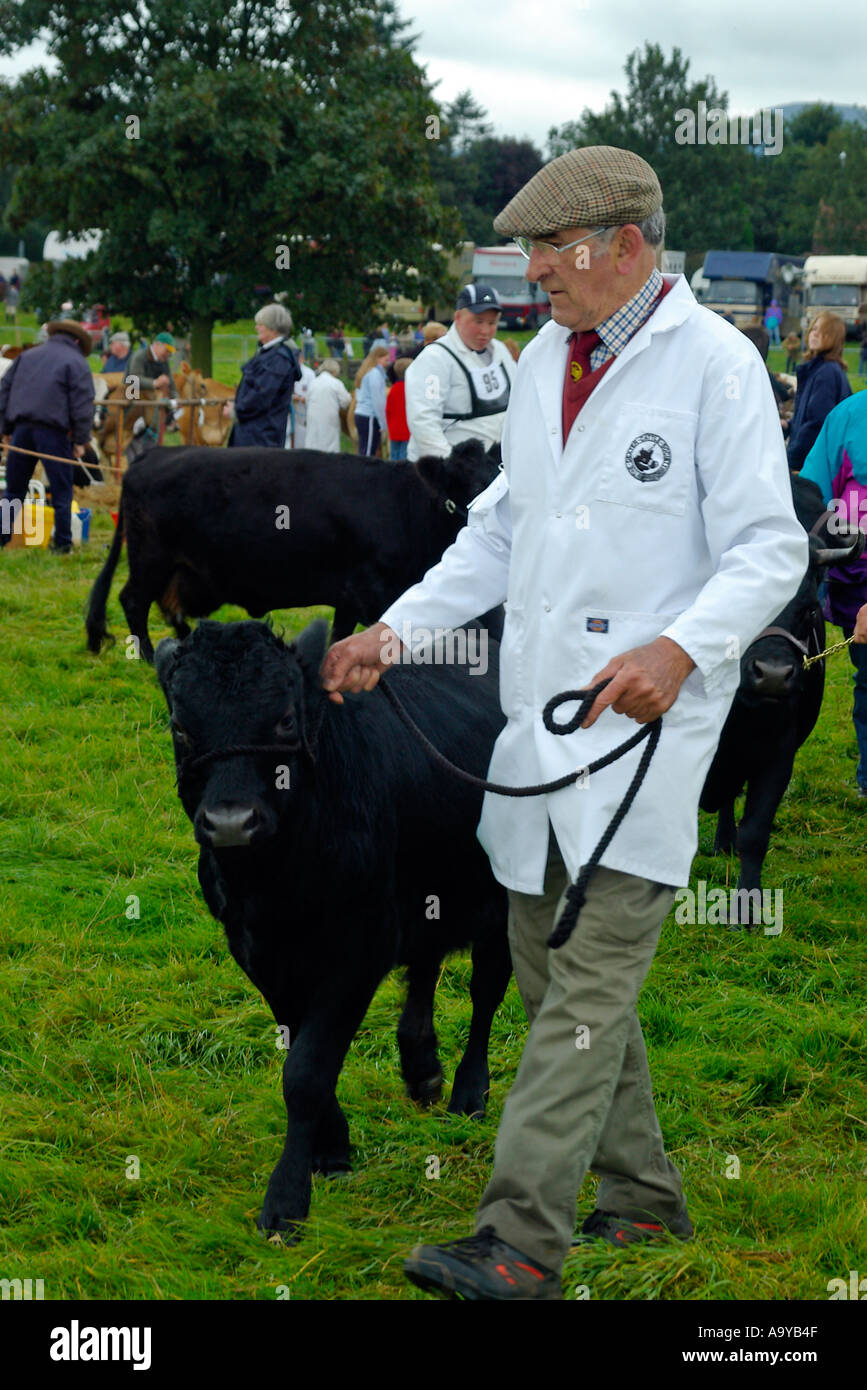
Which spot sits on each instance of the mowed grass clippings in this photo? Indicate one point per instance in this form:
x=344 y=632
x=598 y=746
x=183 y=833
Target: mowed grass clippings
x=141 y=1102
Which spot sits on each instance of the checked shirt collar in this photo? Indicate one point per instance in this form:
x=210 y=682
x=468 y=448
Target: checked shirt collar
x=616 y=330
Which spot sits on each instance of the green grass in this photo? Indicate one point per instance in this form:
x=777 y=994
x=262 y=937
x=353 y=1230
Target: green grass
x=126 y=1036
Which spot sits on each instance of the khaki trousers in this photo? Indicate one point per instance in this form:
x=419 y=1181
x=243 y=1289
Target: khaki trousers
x=582 y=1098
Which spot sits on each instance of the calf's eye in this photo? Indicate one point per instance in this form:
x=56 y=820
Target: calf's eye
x=286 y=726
x=181 y=735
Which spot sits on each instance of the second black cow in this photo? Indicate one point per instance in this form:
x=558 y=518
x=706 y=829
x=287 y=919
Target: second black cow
x=274 y=528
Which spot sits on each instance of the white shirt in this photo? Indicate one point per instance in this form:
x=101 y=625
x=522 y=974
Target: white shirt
x=435 y=384
x=668 y=512
x=326 y=397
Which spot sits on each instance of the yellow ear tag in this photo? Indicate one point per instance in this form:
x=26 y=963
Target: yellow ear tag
x=577 y=371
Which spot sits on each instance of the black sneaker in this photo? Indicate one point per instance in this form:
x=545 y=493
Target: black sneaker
x=607 y=1225
x=481 y=1267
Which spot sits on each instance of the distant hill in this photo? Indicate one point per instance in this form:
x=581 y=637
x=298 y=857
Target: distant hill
x=847 y=113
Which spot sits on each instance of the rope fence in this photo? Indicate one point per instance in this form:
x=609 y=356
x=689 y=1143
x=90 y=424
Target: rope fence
x=162 y=405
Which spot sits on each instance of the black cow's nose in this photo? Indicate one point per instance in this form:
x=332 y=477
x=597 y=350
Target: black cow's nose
x=769 y=678
x=229 y=825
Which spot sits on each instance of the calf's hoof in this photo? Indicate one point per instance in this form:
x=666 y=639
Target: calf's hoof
x=284 y=1232
x=426 y=1092
x=331 y=1165
x=281 y=1217
x=468 y=1100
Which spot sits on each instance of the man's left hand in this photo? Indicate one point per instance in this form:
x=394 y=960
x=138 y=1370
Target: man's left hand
x=645 y=681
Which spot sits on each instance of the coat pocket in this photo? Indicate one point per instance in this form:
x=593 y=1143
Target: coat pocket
x=649 y=461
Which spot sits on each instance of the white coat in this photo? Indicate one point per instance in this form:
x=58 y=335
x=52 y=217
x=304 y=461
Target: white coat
x=326 y=398
x=299 y=401
x=434 y=384
x=669 y=512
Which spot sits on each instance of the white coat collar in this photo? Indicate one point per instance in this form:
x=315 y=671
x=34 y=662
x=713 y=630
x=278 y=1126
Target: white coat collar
x=547 y=361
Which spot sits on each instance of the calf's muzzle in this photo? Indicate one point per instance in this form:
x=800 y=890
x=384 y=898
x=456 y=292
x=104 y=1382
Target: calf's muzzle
x=228 y=825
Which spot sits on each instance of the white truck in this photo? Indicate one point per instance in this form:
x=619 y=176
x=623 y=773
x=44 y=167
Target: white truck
x=522 y=303
x=838 y=283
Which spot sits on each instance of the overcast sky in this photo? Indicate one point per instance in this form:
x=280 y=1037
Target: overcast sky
x=537 y=63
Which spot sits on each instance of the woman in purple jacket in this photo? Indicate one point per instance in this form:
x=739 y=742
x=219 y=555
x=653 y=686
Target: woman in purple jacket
x=822 y=384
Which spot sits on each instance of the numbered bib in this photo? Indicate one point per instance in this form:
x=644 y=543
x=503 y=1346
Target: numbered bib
x=490 y=382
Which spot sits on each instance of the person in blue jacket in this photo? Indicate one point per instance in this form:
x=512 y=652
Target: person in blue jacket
x=46 y=407
x=264 y=397
x=837 y=464
x=822 y=384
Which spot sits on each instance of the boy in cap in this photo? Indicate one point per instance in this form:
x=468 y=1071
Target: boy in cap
x=46 y=406
x=643 y=533
x=458 y=386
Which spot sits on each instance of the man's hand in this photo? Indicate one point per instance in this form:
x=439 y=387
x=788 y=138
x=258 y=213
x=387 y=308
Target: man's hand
x=161 y=381
x=645 y=681
x=860 y=633
x=78 y=450
x=356 y=663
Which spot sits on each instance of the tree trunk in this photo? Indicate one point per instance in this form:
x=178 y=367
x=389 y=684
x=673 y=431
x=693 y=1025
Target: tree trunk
x=200 y=344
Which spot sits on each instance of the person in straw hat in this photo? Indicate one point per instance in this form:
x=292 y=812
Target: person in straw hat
x=643 y=533
x=46 y=405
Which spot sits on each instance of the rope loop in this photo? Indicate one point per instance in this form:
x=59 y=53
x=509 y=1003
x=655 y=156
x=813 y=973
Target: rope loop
x=648 y=734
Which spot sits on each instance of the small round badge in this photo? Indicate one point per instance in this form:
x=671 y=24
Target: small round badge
x=648 y=458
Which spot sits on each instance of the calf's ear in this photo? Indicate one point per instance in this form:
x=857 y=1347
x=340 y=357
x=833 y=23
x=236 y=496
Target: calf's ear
x=165 y=661
x=433 y=473
x=310 y=648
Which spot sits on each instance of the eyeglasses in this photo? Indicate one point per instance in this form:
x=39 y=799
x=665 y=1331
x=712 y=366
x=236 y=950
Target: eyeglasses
x=527 y=247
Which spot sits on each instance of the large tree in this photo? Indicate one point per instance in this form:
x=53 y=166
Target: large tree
x=705 y=186
x=226 y=147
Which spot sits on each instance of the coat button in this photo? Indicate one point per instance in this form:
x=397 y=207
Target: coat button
x=558 y=515
x=547 y=608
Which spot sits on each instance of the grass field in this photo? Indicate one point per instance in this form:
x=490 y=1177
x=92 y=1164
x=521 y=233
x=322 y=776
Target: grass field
x=136 y=1036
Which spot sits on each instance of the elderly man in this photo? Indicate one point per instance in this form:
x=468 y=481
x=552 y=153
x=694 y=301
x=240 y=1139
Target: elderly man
x=46 y=407
x=264 y=397
x=150 y=365
x=458 y=386
x=643 y=532
x=119 y=352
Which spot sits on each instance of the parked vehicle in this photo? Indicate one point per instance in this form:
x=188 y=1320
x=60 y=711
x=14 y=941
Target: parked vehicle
x=743 y=283
x=522 y=303
x=838 y=283
x=98 y=324
x=404 y=309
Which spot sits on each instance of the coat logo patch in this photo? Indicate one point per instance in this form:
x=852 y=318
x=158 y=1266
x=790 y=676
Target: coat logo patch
x=648 y=458
x=597 y=624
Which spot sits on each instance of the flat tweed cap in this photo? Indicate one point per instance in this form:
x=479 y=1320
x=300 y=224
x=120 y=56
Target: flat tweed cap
x=597 y=186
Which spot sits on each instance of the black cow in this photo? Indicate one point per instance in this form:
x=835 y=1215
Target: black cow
x=776 y=705
x=368 y=859
x=275 y=528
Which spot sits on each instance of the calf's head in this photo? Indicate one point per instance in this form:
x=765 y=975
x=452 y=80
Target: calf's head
x=245 y=711
x=466 y=472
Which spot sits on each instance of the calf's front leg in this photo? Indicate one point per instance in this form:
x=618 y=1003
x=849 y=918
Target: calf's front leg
x=310 y=1074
